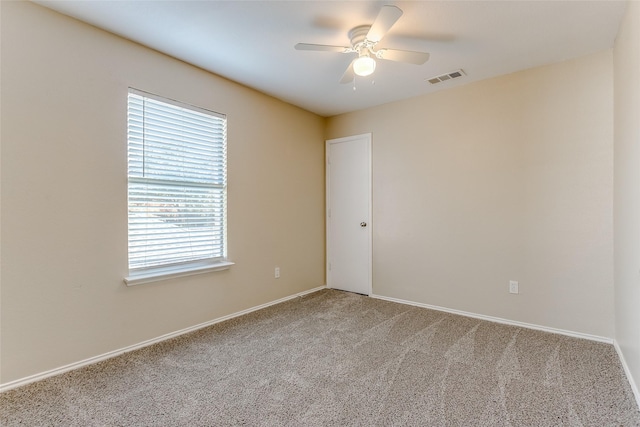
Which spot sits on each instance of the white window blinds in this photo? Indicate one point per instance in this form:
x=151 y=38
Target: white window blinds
x=176 y=181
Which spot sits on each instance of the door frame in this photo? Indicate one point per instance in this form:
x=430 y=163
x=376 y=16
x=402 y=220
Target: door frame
x=328 y=142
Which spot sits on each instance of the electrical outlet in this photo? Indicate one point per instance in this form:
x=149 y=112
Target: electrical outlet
x=513 y=287
x=277 y=272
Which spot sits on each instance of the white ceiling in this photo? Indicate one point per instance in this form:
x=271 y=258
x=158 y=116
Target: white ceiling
x=251 y=42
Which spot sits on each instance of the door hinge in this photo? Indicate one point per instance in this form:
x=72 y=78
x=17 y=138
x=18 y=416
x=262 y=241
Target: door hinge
x=329 y=213
x=329 y=266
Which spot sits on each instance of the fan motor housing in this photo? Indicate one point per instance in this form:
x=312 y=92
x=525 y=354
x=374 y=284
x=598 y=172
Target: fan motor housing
x=359 y=34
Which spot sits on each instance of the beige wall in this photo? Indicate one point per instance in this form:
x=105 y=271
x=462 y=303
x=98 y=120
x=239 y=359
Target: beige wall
x=64 y=215
x=505 y=179
x=627 y=189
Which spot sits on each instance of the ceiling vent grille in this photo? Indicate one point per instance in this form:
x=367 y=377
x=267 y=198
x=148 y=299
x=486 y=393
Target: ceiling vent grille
x=445 y=77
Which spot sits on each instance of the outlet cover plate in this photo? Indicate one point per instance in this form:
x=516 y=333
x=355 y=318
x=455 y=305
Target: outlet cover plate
x=513 y=287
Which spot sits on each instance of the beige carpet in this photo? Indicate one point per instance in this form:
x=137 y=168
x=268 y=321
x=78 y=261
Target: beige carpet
x=339 y=359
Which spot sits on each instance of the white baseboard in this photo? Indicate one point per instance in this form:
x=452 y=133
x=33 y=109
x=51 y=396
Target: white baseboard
x=90 y=361
x=627 y=371
x=500 y=320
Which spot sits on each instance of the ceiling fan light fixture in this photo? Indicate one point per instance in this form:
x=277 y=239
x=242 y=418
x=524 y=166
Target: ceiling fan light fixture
x=364 y=66
x=364 y=40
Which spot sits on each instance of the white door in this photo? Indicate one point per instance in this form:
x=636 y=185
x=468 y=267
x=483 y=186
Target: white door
x=349 y=214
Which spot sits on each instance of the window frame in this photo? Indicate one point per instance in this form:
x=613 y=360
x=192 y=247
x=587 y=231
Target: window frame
x=140 y=275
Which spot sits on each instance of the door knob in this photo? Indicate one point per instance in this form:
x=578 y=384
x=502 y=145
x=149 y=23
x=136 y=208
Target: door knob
x=363 y=224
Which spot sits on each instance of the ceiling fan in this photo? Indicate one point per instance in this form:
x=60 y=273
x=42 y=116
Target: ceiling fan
x=364 y=39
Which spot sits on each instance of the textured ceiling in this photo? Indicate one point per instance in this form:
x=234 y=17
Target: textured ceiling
x=252 y=42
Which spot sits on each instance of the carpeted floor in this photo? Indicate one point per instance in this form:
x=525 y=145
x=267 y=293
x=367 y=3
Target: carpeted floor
x=339 y=359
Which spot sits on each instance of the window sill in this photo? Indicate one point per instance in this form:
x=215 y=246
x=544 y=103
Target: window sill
x=157 y=274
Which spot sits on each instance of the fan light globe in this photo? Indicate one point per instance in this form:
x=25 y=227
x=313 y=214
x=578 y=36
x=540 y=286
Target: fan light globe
x=364 y=66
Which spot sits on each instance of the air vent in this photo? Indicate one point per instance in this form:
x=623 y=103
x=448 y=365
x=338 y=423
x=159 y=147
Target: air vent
x=445 y=77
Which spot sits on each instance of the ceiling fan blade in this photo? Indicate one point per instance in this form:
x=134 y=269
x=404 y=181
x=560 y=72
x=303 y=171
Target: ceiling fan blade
x=348 y=75
x=387 y=16
x=322 y=47
x=409 y=56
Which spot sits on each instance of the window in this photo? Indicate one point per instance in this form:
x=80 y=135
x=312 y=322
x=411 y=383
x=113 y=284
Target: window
x=176 y=188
